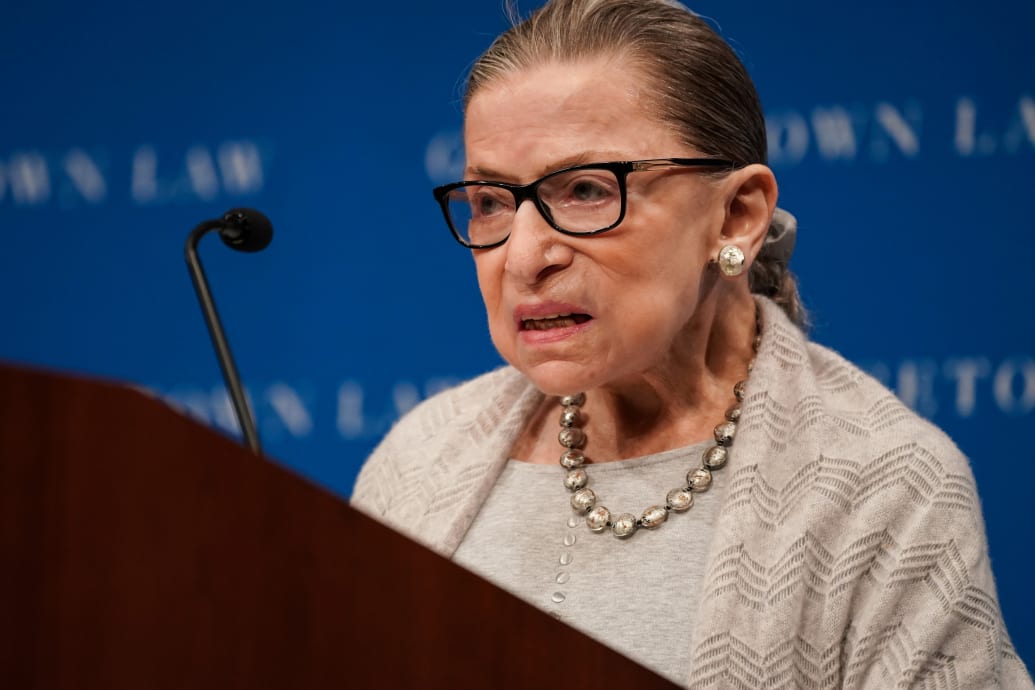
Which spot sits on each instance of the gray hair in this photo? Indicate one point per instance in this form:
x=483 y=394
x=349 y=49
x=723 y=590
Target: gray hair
x=697 y=85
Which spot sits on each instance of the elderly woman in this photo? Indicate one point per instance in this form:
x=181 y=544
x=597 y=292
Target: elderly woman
x=732 y=501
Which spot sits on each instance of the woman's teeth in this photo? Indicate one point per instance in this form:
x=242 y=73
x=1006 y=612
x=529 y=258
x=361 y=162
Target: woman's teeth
x=544 y=323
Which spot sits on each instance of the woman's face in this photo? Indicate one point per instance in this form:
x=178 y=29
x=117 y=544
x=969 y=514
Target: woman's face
x=626 y=297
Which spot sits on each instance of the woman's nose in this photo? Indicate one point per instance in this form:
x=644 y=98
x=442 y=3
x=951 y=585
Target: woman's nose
x=535 y=250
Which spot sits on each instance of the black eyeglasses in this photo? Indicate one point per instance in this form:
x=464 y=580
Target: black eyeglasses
x=581 y=200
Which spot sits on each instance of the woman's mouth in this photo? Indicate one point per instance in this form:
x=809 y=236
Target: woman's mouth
x=545 y=323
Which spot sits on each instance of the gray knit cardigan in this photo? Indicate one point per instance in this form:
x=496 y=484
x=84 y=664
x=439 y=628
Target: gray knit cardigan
x=850 y=550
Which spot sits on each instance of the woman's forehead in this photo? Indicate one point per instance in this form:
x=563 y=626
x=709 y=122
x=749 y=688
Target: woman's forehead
x=561 y=114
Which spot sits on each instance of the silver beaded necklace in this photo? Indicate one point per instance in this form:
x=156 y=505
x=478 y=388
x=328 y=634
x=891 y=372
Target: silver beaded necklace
x=680 y=499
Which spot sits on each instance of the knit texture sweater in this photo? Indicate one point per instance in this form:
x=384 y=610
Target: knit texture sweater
x=850 y=550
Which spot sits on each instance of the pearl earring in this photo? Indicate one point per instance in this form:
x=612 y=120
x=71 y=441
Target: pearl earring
x=731 y=260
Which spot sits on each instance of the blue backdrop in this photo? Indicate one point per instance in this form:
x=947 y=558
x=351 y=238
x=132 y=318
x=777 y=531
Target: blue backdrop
x=903 y=136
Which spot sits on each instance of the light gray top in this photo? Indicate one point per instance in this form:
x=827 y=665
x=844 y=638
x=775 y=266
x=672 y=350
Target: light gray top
x=630 y=594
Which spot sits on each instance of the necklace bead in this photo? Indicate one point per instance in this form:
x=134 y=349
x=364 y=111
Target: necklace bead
x=725 y=432
x=571 y=437
x=715 y=457
x=598 y=518
x=576 y=400
x=572 y=458
x=653 y=517
x=583 y=499
x=576 y=479
x=679 y=500
x=699 y=480
x=624 y=525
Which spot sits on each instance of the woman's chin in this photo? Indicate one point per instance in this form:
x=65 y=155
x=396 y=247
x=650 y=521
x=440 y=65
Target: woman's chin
x=559 y=378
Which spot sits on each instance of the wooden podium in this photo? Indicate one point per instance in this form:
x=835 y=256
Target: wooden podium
x=141 y=550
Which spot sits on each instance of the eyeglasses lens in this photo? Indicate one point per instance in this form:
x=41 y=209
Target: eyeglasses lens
x=578 y=201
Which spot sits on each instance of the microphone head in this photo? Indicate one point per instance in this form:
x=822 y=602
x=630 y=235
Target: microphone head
x=246 y=230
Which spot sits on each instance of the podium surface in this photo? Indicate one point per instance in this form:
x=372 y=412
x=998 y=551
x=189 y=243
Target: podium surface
x=139 y=549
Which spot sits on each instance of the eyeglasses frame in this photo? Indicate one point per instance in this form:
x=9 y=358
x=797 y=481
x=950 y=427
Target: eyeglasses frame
x=523 y=192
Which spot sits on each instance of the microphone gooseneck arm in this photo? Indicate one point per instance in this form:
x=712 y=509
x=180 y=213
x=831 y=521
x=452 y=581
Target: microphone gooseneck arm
x=215 y=329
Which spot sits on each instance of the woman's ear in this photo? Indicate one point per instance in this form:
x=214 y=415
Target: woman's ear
x=751 y=195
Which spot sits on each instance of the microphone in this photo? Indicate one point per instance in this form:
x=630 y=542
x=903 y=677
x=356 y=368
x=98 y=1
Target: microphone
x=245 y=230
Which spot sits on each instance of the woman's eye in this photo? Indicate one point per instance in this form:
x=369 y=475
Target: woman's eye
x=588 y=190
x=487 y=204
